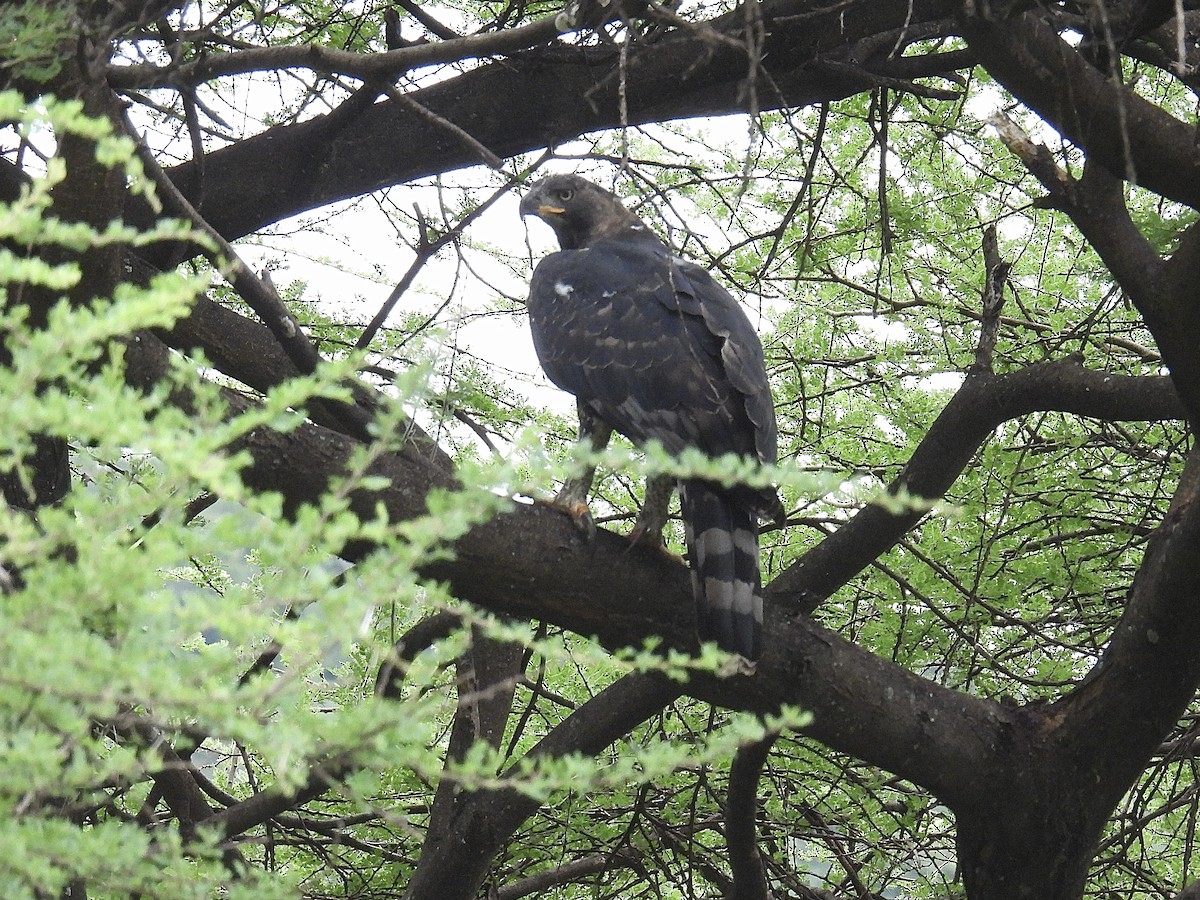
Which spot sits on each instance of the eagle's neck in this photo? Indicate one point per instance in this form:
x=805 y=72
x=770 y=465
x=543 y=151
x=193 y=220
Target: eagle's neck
x=628 y=228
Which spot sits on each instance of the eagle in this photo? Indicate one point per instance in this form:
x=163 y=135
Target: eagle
x=652 y=346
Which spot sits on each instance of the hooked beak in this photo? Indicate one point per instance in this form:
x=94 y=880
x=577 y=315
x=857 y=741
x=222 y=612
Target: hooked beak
x=534 y=206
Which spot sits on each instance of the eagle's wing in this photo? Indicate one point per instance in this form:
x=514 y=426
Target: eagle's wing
x=741 y=351
x=657 y=349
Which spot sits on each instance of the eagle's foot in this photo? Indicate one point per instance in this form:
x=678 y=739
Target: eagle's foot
x=572 y=500
x=579 y=514
x=644 y=534
x=581 y=517
x=736 y=666
x=648 y=529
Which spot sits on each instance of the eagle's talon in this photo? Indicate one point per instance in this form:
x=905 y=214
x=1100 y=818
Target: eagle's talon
x=736 y=665
x=648 y=529
x=581 y=518
x=643 y=535
x=577 y=512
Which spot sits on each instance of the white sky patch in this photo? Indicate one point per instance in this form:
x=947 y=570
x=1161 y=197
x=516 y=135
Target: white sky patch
x=353 y=259
x=984 y=100
x=889 y=428
x=941 y=381
x=882 y=329
x=860 y=269
x=1014 y=229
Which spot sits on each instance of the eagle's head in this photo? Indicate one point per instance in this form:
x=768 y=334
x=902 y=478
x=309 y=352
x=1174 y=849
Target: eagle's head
x=579 y=211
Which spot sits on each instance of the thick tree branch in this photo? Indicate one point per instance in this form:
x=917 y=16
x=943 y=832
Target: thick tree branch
x=266 y=805
x=741 y=815
x=983 y=402
x=486 y=819
x=574 y=870
x=1128 y=135
x=292 y=168
x=487 y=677
x=863 y=705
x=368 y=67
x=1071 y=761
x=1150 y=670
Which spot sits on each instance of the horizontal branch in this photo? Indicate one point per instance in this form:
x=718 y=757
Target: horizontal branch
x=332 y=60
x=983 y=402
x=574 y=870
x=531 y=562
x=289 y=169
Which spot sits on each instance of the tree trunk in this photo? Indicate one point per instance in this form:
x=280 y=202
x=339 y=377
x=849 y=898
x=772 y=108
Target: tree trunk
x=1036 y=848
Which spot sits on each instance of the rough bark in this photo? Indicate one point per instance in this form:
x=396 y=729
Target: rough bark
x=959 y=747
x=459 y=862
x=1069 y=763
x=487 y=678
x=863 y=705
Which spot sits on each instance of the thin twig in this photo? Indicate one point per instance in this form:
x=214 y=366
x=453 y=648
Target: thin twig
x=426 y=250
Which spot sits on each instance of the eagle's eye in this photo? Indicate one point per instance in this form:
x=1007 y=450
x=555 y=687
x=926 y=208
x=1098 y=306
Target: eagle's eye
x=564 y=194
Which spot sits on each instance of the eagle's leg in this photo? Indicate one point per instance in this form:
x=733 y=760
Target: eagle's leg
x=652 y=519
x=572 y=496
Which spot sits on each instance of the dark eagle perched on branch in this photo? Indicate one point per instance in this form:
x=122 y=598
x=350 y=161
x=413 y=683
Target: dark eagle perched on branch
x=652 y=346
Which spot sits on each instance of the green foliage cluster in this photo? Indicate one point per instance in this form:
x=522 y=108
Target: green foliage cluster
x=31 y=38
x=131 y=622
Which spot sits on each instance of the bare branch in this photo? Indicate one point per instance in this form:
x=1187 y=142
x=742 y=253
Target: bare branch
x=741 y=813
x=1113 y=125
x=330 y=60
x=575 y=870
x=994 y=281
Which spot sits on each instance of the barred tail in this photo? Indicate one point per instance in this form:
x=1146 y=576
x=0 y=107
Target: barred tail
x=722 y=541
